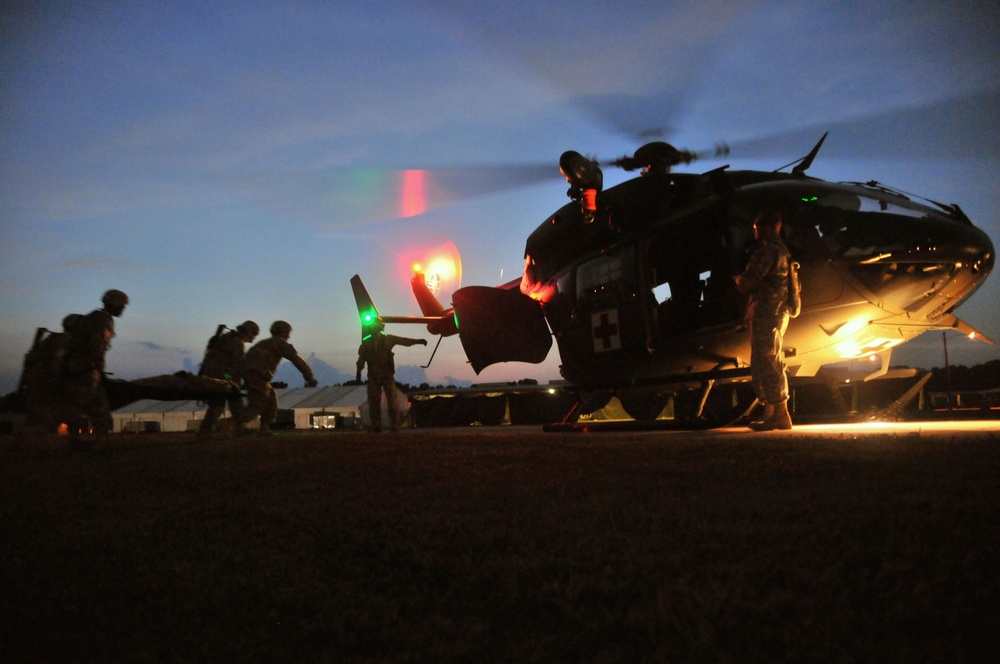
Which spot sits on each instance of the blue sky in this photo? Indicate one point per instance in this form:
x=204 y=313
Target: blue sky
x=236 y=161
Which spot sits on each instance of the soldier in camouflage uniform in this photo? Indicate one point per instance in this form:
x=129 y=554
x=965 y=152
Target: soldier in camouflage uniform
x=42 y=377
x=224 y=358
x=261 y=363
x=82 y=389
x=765 y=280
x=376 y=352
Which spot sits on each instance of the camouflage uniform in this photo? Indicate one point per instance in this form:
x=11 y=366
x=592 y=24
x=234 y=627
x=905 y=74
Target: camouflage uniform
x=224 y=359
x=83 y=369
x=766 y=281
x=261 y=362
x=41 y=379
x=376 y=351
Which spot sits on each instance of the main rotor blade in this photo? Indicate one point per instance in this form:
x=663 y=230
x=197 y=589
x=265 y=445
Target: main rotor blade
x=961 y=127
x=349 y=197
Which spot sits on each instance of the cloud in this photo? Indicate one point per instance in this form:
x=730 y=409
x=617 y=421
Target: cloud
x=457 y=382
x=411 y=375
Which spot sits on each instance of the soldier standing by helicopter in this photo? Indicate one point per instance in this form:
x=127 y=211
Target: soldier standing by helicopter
x=83 y=367
x=261 y=363
x=376 y=352
x=765 y=280
x=224 y=358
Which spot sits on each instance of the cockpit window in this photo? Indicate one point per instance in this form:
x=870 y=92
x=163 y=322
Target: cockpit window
x=603 y=271
x=859 y=203
x=858 y=224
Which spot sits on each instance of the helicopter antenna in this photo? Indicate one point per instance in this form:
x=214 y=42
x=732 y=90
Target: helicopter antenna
x=805 y=162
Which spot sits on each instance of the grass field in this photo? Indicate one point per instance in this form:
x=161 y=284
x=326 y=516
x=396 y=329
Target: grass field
x=503 y=546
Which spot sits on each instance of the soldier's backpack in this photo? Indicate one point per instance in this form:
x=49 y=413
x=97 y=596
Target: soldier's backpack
x=793 y=299
x=212 y=343
x=43 y=364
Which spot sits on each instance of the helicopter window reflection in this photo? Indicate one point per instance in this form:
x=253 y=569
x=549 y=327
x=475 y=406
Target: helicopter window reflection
x=888 y=207
x=849 y=225
x=564 y=284
x=594 y=276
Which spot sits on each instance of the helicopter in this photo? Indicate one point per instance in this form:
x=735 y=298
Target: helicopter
x=635 y=283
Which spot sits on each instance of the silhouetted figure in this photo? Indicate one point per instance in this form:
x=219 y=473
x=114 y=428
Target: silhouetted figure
x=376 y=352
x=225 y=358
x=261 y=363
x=82 y=388
x=765 y=280
x=41 y=377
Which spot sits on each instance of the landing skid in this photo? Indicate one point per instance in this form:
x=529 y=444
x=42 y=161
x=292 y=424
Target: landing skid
x=693 y=409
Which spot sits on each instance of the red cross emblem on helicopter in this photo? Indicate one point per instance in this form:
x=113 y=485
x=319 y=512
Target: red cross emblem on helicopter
x=607 y=336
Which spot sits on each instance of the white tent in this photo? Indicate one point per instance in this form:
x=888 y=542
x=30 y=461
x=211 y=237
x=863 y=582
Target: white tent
x=302 y=407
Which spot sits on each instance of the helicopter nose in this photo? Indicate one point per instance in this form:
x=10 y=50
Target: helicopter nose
x=979 y=253
x=988 y=256
x=974 y=258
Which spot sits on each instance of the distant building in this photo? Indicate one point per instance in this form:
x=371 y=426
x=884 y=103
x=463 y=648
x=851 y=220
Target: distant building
x=966 y=399
x=298 y=408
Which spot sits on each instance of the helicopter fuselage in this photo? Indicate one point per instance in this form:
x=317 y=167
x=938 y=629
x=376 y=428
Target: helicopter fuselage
x=642 y=291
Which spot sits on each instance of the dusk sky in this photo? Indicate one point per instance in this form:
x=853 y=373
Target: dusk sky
x=241 y=160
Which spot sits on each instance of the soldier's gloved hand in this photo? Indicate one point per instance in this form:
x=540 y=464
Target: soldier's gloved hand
x=311 y=383
x=423 y=342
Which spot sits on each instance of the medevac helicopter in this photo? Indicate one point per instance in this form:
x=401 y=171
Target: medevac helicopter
x=635 y=282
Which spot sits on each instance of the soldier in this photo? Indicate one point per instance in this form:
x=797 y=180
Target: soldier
x=261 y=363
x=765 y=280
x=83 y=368
x=224 y=358
x=42 y=376
x=376 y=351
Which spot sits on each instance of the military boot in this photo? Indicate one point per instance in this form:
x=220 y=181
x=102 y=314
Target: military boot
x=780 y=419
x=764 y=416
x=265 y=431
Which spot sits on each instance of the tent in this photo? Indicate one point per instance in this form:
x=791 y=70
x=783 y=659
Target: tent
x=298 y=408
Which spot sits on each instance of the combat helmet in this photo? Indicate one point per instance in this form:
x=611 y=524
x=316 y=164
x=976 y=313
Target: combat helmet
x=114 y=300
x=248 y=326
x=70 y=322
x=280 y=328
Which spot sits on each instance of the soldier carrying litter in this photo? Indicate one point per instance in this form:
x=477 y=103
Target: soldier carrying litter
x=82 y=387
x=224 y=358
x=41 y=377
x=261 y=363
x=376 y=352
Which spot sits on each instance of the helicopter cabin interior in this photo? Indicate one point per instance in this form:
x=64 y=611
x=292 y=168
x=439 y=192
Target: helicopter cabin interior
x=690 y=264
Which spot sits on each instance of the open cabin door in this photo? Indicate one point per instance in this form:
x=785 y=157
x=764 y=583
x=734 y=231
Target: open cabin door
x=689 y=264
